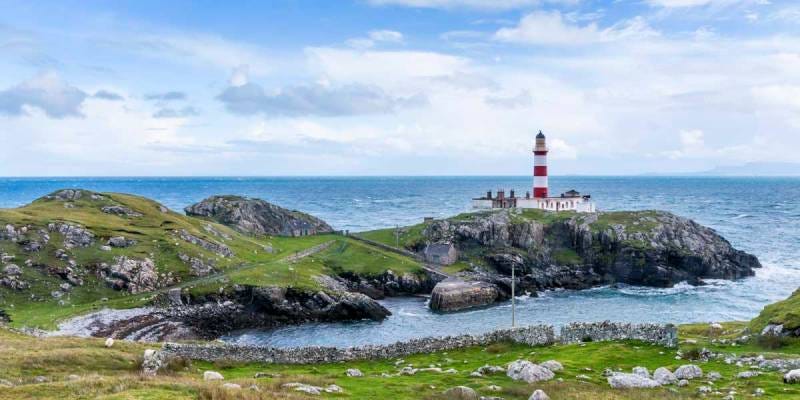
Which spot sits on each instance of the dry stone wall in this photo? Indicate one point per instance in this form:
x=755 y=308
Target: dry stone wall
x=536 y=335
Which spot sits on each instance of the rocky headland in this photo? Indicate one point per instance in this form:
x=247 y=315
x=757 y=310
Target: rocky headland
x=575 y=251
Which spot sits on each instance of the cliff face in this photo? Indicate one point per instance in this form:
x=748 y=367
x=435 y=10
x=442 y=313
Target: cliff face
x=257 y=217
x=550 y=250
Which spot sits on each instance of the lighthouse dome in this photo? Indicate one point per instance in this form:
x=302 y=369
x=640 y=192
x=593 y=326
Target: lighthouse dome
x=540 y=135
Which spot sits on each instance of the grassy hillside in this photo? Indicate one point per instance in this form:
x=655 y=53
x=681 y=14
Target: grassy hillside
x=786 y=313
x=159 y=235
x=112 y=373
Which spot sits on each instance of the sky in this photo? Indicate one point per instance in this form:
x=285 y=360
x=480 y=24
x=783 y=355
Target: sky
x=396 y=87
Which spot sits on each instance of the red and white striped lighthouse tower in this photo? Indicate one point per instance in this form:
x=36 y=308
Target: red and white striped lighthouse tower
x=540 y=167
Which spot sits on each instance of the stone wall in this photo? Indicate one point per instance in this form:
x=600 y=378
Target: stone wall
x=533 y=335
x=536 y=335
x=665 y=335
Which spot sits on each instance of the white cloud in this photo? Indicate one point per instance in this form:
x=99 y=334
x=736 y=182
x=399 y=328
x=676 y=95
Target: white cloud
x=46 y=92
x=551 y=28
x=475 y=4
x=375 y=37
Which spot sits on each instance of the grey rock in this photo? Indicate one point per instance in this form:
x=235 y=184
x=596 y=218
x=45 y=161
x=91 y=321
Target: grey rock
x=120 y=211
x=528 y=372
x=772 y=330
x=454 y=295
x=354 y=373
x=198 y=266
x=641 y=371
x=130 y=274
x=74 y=235
x=792 y=376
x=689 y=371
x=747 y=374
x=552 y=365
x=120 y=242
x=714 y=376
x=440 y=253
x=152 y=361
x=627 y=381
x=683 y=382
x=664 y=376
x=539 y=394
x=12 y=270
x=216 y=248
x=105 y=248
x=257 y=217
x=461 y=393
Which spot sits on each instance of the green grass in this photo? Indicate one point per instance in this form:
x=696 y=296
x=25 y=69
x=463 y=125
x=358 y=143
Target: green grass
x=409 y=237
x=112 y=373
x=786 y=312
x=252 y=263
x=567 y=257
x=633 y=221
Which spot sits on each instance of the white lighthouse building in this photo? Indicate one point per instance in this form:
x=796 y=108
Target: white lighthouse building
x=568 y=201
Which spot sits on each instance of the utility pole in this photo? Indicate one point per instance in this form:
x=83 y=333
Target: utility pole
x=513 y=299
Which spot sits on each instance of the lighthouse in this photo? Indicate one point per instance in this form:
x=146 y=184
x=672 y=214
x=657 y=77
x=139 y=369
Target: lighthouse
x=540 y=167
x=570 y=200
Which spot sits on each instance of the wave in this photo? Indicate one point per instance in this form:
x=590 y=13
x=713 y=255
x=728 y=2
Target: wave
x=740 y=216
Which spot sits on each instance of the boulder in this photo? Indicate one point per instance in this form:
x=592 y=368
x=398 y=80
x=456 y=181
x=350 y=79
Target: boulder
x=552 y=365
x=151 y=362
x=12 y=270
x=454 y=295
x=641 y=371
x=74 y=235
x=627 y=381
x=302 y=387
x=440 y=253
x=713 y=376
x=539 y=394
x=792 y=376
x=212 y=376
x=527 y=371
x=461 y=393
x=257 y=217
x=354 y=373
x=747 y=374
x=772 y=330
x=120 y=242
x=130 y=274
x=689 y=371
x=664 y=376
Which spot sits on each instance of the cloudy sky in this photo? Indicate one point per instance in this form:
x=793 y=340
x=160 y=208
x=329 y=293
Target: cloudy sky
x=396 y=87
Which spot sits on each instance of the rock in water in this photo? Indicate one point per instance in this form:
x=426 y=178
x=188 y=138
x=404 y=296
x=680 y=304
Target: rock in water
x=454 y=295
x=527 y=371
x=257 y=217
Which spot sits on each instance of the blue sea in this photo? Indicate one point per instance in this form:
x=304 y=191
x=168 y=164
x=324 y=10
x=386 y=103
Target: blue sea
x=758 y=215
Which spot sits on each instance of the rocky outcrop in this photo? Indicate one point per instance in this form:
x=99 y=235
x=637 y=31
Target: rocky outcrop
x=381 y=285
x=257 y=217
x=455 y=295
x=198 y=266
x=121 y=211
x=216 y=248
x=579 y=251
x=74 y=235
x=130 y=274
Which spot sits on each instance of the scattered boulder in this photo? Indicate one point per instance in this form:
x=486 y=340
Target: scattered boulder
x=792 y=376
x=683 y=382
x=216 y=248
x=333 y=389
x=689 y=371
x=302 y=387
x=354 y=373
x=641 y=371
x=257 y=217
x=552 y=365
x=461 y=393
x=151 y=362
x=492 y=369
x=120 y=242
x=120 y=211
x=198 y=266
x=627 y=381
x=714 y=376
x=539 y=394
x=454 y=295
x=74 y=235
x=130 y=274
x=212 y=376
x=231 y=386
x=12 y=270
x=747 y=374
x=527 y=371
x=664 y=376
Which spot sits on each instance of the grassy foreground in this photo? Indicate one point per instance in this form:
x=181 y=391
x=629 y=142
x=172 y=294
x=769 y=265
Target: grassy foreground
x=72 y=368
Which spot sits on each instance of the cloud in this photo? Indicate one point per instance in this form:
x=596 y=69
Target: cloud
x=107 y=95
x=551 y=28
x=166 y=96
x=375 y=37
x=492 y=5
x=316 y=100
x=522 y=99
x=169 y=112
x=700 y=3
x=46 y=92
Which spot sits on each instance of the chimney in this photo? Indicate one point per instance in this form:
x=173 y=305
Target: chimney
x=501 y=194
x=512 y=193
x=527 y=195
x=489 y=194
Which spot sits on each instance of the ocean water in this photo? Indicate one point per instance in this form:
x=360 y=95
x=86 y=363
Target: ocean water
x=758 y=215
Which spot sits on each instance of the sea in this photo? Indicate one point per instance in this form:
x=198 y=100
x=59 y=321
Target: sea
x=759 y=215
